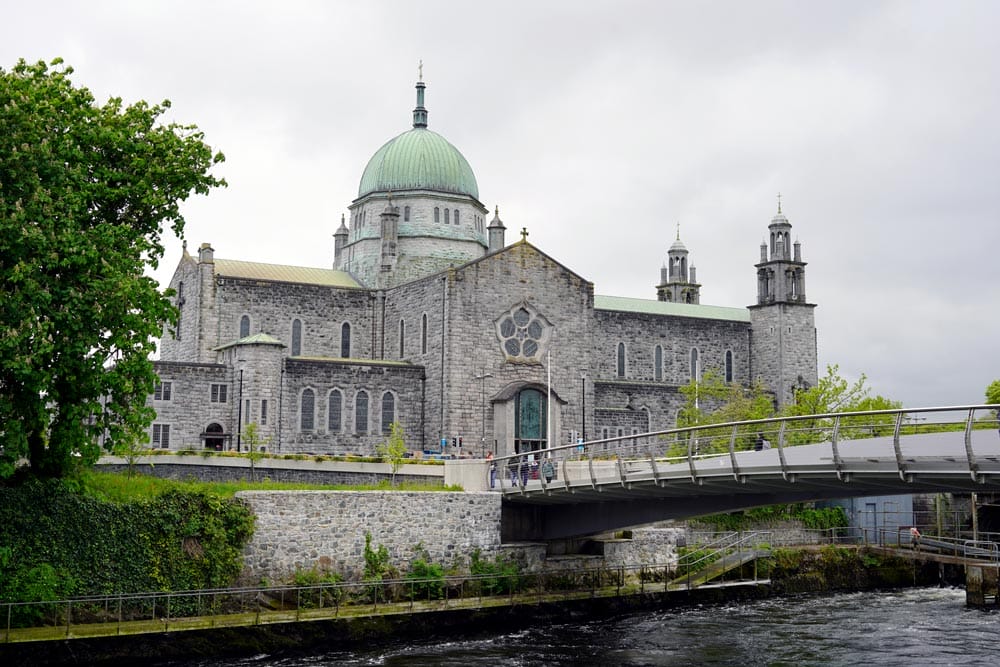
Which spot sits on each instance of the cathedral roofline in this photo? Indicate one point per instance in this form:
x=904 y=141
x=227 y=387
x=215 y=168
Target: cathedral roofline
x=670 y=308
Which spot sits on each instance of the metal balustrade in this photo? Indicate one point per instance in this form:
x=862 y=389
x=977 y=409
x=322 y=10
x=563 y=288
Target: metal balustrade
x=956 y=447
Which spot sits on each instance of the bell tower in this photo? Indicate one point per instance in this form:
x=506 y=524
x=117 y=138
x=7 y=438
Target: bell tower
x=677 y=280
x=783 y=327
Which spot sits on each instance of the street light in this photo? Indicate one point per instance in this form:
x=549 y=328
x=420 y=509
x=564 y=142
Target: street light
x=482 y=398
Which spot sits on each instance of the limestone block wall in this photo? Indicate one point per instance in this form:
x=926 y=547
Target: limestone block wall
x=403 y=382
x=326 y=529
x=784 y=347
x=642 y=332
x=190 y=410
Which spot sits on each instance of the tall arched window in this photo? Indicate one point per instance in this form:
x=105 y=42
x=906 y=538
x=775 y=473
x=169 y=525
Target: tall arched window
x=388 y=412
x=447 y=218
x=307 y=410
x=729 y=365
x=402 y=339
x=296 y=337
x=361 y=412
x=658 y=363
x=345 y=340
x=621 y=360
x=334 y=411
x=423 y=334
x=695 y=368
x=244 y=326
x=180 y=309
x=406 y=214
x=456 y=216
x=437 y=214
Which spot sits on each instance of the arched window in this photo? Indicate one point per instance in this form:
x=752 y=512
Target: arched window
x=695 y=368
x=180 y=309
x=388 y=412
x=345 y=340
x=406 y=214
x=244 y=326
x=361 y=412
x=437 y=214
x=402 y=339
x=658 y=363
x=729 y=365
x=296 y=337
x=456 y=216
x=307 y=410
x=621 y=360
x=447 y=219
x=334 y=411
x=423 y=334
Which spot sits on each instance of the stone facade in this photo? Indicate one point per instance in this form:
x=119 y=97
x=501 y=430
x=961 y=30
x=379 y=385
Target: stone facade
x=460 y=338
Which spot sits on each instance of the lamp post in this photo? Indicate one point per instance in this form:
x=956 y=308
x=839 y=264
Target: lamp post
x=482 y=399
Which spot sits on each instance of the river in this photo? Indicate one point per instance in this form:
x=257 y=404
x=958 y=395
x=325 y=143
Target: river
x=928 y=626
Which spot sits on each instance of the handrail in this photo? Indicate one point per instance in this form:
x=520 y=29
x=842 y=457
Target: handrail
x=725 y=438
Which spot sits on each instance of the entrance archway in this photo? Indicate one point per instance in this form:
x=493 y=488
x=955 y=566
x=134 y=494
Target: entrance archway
x=530 y=421
x=214 y=437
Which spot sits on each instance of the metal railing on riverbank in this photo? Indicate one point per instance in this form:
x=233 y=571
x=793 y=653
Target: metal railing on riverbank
x=132 y=614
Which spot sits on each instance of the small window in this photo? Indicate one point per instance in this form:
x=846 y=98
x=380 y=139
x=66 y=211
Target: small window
x=345 y=340
x=162 y=391
x=402 y=339
x=296 y=337
x=307 y=411
x=437 y=214
x=161 y=436
x=621 y=360
x=423 y=334
x=334 y=410
x=658 y=363
x=406 y=214
x=456 y=216
x=695 y=368
x=729 y=365
x=361 y=412
x=263 y=412
x=388 y=412
x=219 y=393
x=244 y=326
x=604 y=434
x=446 y=217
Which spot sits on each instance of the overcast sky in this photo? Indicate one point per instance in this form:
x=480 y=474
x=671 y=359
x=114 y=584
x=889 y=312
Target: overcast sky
x=599 y=126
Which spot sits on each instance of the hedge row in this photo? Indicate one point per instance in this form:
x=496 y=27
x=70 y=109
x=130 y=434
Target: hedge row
x=56 y=542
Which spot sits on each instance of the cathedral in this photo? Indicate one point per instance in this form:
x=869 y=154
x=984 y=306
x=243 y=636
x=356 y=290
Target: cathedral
x=430 y=317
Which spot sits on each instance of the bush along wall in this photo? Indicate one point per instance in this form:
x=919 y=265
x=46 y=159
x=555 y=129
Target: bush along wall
x=57 y=543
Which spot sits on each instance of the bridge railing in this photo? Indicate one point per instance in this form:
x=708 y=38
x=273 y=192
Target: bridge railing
x=611 y=459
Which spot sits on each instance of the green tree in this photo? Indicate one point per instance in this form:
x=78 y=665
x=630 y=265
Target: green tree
x=255 y=447
x=833 y=394
x=86 y=191
x=393 y=449
x=712 y=400
x=993 y=393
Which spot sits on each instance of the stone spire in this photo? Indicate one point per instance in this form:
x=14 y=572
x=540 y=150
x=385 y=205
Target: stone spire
x=339 y=241
x=420 y=113
x=496 y=231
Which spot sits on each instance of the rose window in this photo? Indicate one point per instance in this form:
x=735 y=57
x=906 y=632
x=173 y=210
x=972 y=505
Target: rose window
x=523 y=333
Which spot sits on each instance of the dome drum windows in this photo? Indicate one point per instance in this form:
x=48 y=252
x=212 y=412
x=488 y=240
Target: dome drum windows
x=523 y=333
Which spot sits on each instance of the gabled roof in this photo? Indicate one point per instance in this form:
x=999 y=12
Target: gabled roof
x=233 y=268
x=653 y=307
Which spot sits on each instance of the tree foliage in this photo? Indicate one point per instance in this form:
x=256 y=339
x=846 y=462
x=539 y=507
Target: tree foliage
x=993 y=393
x=86 y=191
x=393 y=449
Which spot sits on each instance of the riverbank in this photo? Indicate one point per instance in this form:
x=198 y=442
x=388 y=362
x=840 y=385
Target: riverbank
x=792 y=571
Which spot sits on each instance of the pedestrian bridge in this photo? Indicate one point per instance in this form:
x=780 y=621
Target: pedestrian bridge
x=685 y=472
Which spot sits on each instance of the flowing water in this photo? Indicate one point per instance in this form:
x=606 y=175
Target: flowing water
x=907 y=627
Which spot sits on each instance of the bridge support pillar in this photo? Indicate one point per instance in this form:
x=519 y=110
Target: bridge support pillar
x=981 y=582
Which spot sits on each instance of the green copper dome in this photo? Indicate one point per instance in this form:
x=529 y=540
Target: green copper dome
x=419 y=159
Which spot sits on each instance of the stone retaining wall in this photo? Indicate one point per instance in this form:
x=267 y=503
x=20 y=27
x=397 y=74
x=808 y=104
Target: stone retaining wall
x=326 y=530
